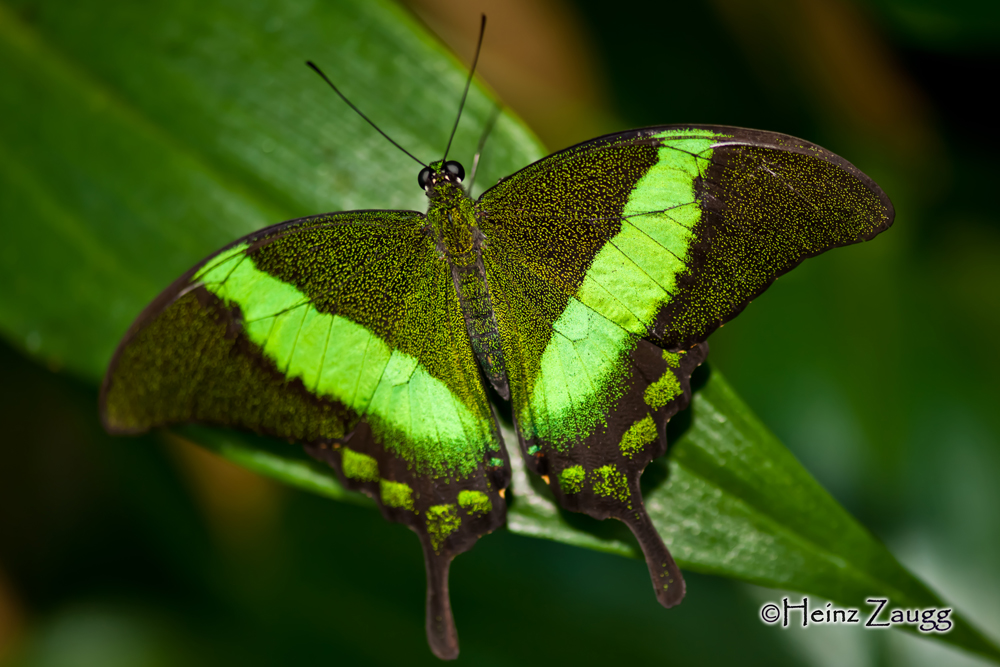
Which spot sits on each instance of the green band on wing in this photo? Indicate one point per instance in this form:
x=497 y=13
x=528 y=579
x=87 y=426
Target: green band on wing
x=635 y=272
x=580 y=377
x=582 y=371
x=412 y=412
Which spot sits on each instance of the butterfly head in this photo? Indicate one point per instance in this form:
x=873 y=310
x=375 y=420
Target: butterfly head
x=437 y=173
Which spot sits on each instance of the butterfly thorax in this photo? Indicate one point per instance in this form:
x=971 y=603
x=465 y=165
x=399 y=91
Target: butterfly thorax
x=452 y=221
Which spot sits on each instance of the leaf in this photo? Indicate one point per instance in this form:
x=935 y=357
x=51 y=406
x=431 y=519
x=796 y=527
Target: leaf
x=139 y=138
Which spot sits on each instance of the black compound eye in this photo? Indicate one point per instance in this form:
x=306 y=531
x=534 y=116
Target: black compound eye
x=453 y=168
x=424 y=177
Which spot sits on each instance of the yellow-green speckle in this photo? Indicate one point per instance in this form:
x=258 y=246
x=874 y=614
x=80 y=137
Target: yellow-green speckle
x=396 y=494
x=442 y=521
x=571 y=479
x=358 y=466
x=609 y=482
x=475 y=502
x=640 y=434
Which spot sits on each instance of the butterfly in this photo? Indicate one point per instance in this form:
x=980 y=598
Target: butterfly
x=580 y=290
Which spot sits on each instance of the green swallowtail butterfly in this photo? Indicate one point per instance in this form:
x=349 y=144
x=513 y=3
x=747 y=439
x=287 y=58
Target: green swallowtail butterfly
x=581 y=289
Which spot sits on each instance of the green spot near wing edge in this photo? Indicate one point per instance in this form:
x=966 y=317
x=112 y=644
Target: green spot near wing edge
x=639 y=434
x=442 y=521
x=611 y=483
x=359 y=466
x=664 y=390
x=412 y=412
x=673 y=359
x=396 y=494
x=571 y=479
x=474 y=502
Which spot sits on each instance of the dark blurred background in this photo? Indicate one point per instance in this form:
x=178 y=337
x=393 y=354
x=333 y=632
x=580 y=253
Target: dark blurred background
x=876 y=365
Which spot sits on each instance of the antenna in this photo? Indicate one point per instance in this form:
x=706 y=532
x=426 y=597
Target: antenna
x=472 y=71
x=358 y=111
x=482 y=142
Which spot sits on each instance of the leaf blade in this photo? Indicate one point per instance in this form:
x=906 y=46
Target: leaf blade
x=132 y=163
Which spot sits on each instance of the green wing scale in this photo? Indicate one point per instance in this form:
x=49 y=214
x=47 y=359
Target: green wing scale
x=582 y=289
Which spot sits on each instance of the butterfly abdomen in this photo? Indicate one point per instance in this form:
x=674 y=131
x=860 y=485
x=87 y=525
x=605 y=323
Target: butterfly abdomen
x=480 y=321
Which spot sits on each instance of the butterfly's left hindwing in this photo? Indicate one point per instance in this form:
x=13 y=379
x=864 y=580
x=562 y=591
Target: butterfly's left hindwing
x=343 y=333
x=610 y=264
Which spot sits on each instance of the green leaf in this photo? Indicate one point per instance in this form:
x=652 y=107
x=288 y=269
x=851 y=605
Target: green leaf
x=139 y=138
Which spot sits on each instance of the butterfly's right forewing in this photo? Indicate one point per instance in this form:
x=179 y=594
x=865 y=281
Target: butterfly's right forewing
x=343 y=333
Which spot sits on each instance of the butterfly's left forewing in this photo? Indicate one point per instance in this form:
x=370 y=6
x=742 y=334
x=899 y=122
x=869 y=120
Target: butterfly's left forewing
x=611 y=262
x=343 y=333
